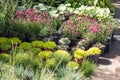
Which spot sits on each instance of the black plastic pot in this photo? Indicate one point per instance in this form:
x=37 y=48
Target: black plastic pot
x=94 y=58
x=74 y=42
x=103 y=51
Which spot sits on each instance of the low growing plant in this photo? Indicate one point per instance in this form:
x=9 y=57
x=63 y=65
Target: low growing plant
x=88 y=68
x=14 y=41
x=73 y=65
x=94 y=51
x=38 y=44
x=44 y=55
x=27 y=60
x=49 y=45
x=62 y=55
x=51 y=63
x=25 y=46
x=64 y=41
x=4 y=57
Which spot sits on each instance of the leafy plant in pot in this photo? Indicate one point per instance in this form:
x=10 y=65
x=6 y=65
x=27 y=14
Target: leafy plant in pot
x=94 y=54
x=84 y=44
x=102 y=47
x=80 y=55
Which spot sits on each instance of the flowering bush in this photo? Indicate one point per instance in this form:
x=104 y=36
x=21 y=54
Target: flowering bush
x=94 y=51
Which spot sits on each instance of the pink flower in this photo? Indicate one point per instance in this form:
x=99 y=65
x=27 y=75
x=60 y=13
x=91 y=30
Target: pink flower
x=19 y=12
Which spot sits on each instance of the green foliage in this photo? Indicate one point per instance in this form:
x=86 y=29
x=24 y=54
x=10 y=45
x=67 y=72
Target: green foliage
x=64 y=41
x=25 y=45
x=27 y=60
x=38 y=44
x=62 y=55
x=49 y=45
x=4 y=57
x=87 y=68
x=73 y=65
x=3 y=40
x=51 y=63
x=45 y=54
x=35 y=51
x=15 y=40
x=5 y=46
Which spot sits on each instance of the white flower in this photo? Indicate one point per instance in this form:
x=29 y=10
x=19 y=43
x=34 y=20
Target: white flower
x=62 y=7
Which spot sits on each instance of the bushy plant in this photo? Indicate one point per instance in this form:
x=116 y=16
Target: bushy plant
x=25 y=46
x=45 y=55
x=94 y=51
x=35 y=51
x=15 y=41
x=3 y=40
x=5 y=46
x=62 y=55
x=73 y=65
x=4 y=57
x=27 y=60
x=87 y=68
x=49 y=45
x=38 y=44
x=79 y=54
x=51 y=63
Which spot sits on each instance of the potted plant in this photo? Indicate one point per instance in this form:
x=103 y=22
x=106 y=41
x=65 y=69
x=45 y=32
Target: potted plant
x=94 y=54
x=49 y=45
x=64 y=41
x=84 y=44
x=101 y=47
x=80 y=55
x=62 y=47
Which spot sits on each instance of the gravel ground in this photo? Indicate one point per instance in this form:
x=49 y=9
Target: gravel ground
x=109 y=65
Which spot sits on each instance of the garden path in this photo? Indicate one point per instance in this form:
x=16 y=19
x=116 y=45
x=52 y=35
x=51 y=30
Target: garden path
x=109 y=65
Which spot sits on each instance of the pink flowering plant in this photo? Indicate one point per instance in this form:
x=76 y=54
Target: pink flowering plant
x=39 y=19
x=88 y=28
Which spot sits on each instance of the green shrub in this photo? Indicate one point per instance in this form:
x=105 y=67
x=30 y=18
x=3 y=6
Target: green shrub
x=35 y=51
x=38 y=44
x=49 y=45
x=51 y=63
x=5 y=46
x=87 y=68
x=4 y=57
x=25 y=45
x=15 y=40
x=45 y=54
x=62 y=55
x=3 y=40
x=27 y=60
x=73 y=65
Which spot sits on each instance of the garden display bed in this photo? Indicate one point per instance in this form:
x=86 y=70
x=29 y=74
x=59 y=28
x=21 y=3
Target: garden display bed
x=50 y=39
